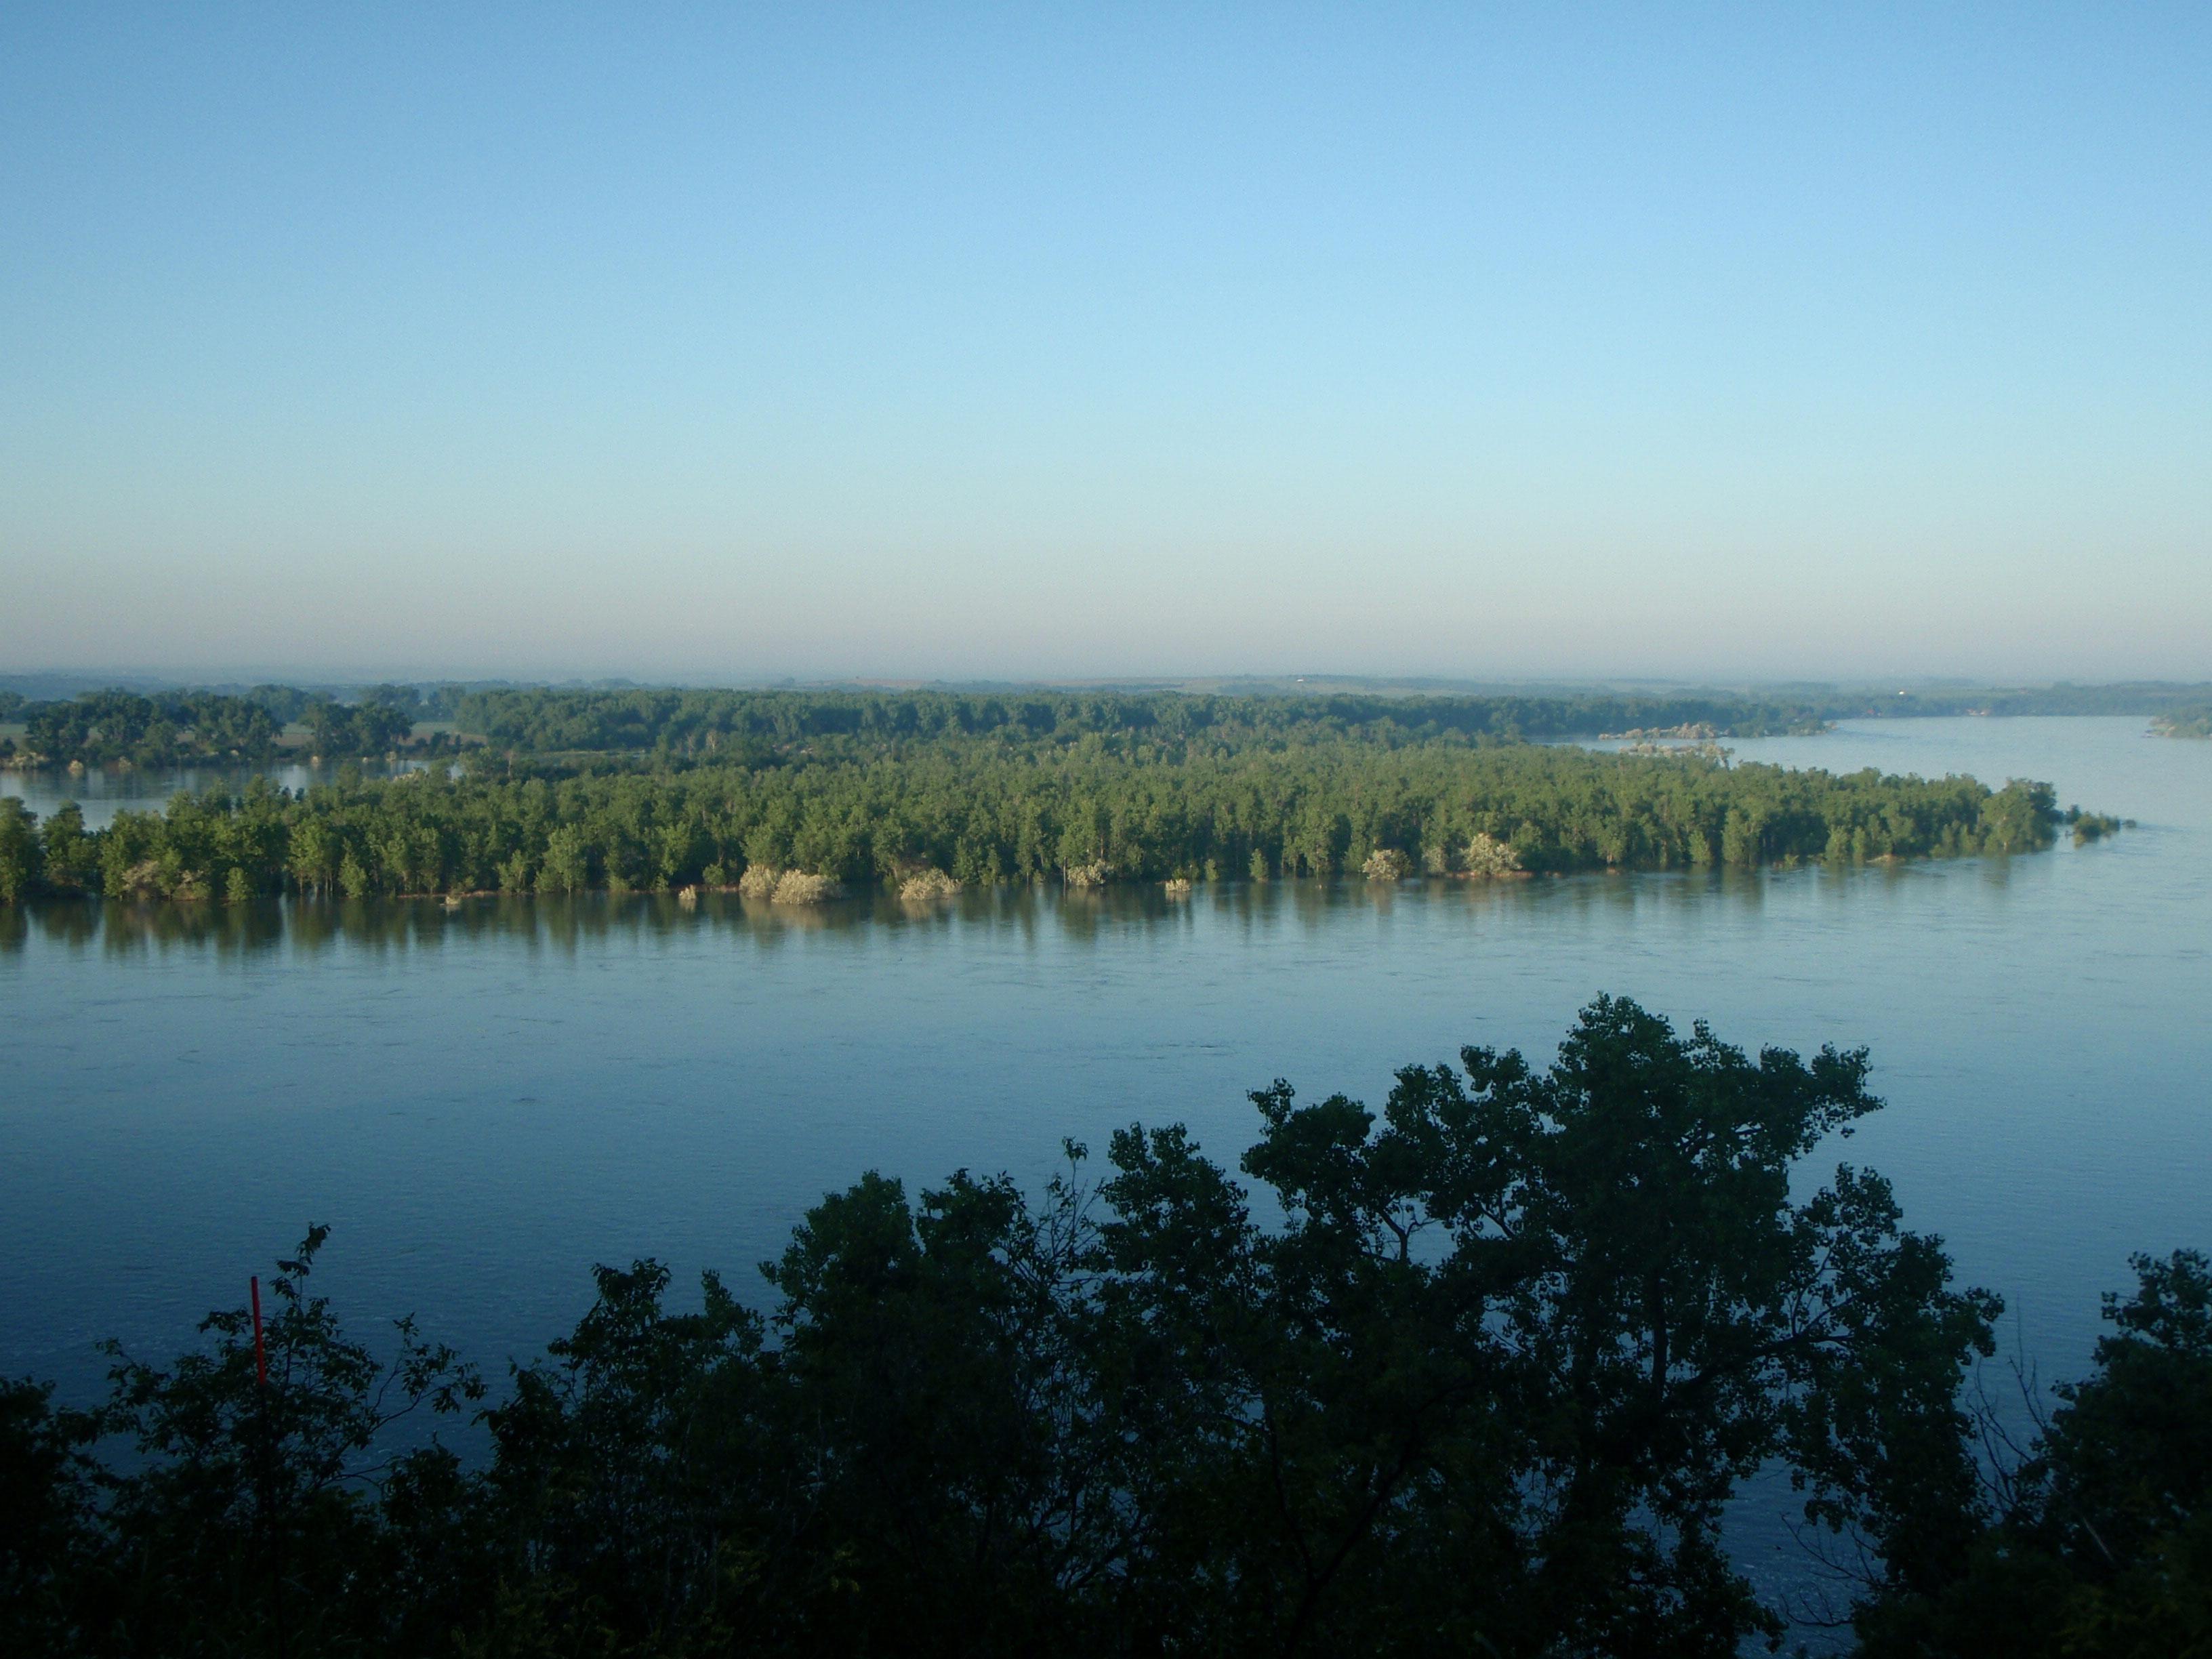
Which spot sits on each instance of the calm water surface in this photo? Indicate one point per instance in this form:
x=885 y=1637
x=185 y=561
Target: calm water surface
x=485 y=1104
x=102 y=792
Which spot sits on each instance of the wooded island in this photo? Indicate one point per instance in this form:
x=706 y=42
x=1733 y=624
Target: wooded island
x=578 y=792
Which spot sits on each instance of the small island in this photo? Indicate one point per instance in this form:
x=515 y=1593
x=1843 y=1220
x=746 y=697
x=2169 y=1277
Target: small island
x=796 y=797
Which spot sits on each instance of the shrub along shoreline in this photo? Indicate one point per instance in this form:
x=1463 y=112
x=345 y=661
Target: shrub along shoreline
x=975 y=814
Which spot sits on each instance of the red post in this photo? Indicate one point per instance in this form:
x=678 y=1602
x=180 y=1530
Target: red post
x=260 y=1353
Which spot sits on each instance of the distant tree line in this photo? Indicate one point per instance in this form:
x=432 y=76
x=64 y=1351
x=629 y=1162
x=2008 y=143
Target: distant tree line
x=1094 y=812
x=2129 y=697
x=167 y=727
x=697 y=722
x=702 y=721
x=2186 y=722
x=1484 y=1382
x=172 y=728
x=364 y=728
x=162 y=730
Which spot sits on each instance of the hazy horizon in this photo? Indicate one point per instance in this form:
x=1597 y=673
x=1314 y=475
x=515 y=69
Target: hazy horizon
x=945 y=343
x=152 y=679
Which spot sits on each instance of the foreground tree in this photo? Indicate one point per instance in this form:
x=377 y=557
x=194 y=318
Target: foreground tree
x=1477 y=1374
x=2100 y=1543
x=260 y=1506
x=1513 y=1347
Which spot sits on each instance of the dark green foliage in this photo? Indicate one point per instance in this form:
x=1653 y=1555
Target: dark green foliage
x=71 y=855
x=1484 y=1389
x=372 y=727
x=22 y=857
x=170 y=728
x=2102 y=1542
x=285 y=703
x=1487 y=1387
x=161 y=729
x=242 y=1518
x=984 y=814
x=52 y=1552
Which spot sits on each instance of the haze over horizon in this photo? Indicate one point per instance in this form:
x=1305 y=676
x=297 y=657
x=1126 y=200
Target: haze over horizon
x=943 y=343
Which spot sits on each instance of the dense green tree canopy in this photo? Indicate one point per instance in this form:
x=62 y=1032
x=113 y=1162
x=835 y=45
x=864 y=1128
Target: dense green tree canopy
x=371 y=726
x=169 y=728
x=157 y=731
x=1101 y=809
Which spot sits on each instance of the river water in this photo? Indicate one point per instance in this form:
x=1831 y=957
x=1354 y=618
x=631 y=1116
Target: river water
x=102 y=792
x=485 y=1103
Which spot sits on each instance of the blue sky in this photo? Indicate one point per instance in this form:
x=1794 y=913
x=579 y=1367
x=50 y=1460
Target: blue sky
x=720 y=343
